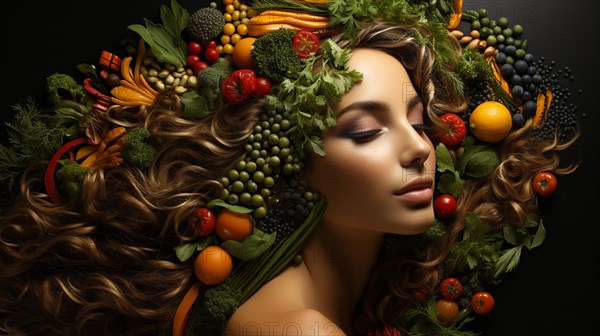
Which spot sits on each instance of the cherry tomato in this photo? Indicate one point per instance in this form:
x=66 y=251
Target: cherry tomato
x=263 y=87
x=544 y=183
x=455 y=132
x=199 y=66
x=192 y=59
x=444 y=206
x=305 y=43
x=482 y=303
x=202 y=222
x=212 y=44
x=194 y=47
x=450 y=288
x=446 y=311
x=211 y=55
x=239 y=86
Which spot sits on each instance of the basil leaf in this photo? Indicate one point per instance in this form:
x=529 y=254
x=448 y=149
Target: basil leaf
x=253 y=246
x=185 y=251
x=235 y=208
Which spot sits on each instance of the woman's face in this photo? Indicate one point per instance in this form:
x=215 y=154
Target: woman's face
x=378 y=173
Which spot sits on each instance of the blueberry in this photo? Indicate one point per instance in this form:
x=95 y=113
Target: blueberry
x=529 y=107
x=518 y=120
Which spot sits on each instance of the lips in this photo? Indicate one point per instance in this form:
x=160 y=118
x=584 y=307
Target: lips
x=417 y=190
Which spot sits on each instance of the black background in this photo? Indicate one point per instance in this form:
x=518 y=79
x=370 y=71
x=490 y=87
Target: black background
x=555 y=287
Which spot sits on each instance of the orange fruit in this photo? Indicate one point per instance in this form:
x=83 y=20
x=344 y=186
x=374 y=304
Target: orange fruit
x=233 y=225
x=490 y=121
x=241 y=53
x=213 y=265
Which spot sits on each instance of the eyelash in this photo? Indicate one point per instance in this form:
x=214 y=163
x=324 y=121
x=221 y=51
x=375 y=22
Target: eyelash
x=363 y=136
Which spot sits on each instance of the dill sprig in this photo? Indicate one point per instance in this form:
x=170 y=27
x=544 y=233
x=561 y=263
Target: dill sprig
x=33 y=136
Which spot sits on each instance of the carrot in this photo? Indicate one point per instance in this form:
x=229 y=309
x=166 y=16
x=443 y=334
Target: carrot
x=456 y=16
x=498 y=75
x=104 y=156
x=302 y=24
x=183 y=311
x=543 y=104
x=297 y=15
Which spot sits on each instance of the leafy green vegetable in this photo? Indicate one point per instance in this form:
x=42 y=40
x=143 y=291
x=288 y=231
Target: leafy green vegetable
x=274 y=55
x=307 y=98
x=252 y=246
x=165 y=39
x=62 y=86
x=33 y=136
x=70 y=176
x=211 y=312
x=136 y=151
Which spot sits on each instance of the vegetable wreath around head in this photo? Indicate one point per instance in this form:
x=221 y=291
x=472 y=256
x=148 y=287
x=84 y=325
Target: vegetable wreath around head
x=163 y=190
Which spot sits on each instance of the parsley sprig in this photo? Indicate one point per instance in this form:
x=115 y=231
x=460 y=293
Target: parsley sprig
x=308 y=97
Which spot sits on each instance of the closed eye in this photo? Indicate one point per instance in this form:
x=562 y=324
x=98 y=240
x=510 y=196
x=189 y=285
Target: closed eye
x=363 y=136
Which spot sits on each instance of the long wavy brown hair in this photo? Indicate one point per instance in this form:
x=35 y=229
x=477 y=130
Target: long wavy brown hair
x=103 y=263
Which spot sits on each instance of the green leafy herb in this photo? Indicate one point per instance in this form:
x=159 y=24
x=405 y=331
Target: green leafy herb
x=187 y=250
x=252 y=246
x=308 y=97
x=165 y=40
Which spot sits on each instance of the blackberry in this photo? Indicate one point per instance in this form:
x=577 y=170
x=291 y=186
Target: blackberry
x=288 y=208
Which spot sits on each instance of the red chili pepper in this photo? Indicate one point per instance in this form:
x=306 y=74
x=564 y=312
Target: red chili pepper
x=88 y=85
x=49 y=176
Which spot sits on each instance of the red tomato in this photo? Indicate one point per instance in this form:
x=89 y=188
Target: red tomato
x=450 y=288
x=482 y=303
x=444 y=206
x=199 y=66
x=446 y=311
x=305 y=43
x=192 y=59
x=194 y=47
x=211 y=55
x=202 y=222
x=263 y=87
x=544 y=183
x=239 y=86
x=212 y=44
x=455 y=132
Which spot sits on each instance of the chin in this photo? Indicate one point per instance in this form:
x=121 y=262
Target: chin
x=413 y=223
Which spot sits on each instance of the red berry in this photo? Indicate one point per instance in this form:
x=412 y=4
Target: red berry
x=211 y=45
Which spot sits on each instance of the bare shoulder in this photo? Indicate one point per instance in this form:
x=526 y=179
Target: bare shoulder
x=302 y=321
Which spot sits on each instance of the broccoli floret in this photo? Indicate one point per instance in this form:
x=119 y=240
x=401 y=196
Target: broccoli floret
x=70 y=176
x=205 y=24
x=62 y=86
x=274 y=55
x=207 y=96
x=136 y=151
x=218 y=304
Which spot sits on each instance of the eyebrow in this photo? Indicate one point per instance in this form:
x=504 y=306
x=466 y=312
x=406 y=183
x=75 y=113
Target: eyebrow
x=374 y=106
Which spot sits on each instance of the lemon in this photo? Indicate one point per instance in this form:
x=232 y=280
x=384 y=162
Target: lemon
x=490 y=121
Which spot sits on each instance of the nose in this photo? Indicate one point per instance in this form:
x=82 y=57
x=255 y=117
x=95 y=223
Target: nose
x=416 y=147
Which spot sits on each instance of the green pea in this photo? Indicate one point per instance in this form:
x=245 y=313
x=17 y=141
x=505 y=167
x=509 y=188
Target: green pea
x=257 y=200
x=278 y=118
x=245 y=197
x=233 y=175
x=244 y=176
x=275 y=161
x=284 y=153
x=224 y=181
x=259 y=212
x=224 y=194
x=255 y=154
x=275 y=127
x=251 y=167
x=269 y=182
x=309 y=196
x=264 y=192
x=237 y=186
x=264 y=153
x=273 y=139
x=288 y=168
x=257 y=129
x=256 y=145
x=233 y=199
x=251 y=186
x=258 y=176
x=275 y=150
x=284 y=142
x=260 y=162
x=266 y=133
x=285 y=124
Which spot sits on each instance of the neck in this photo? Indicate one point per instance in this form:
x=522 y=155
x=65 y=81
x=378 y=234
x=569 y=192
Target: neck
x=339 y=261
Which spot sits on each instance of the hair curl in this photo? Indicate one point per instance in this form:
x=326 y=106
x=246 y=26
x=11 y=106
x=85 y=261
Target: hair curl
x=103 y=263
